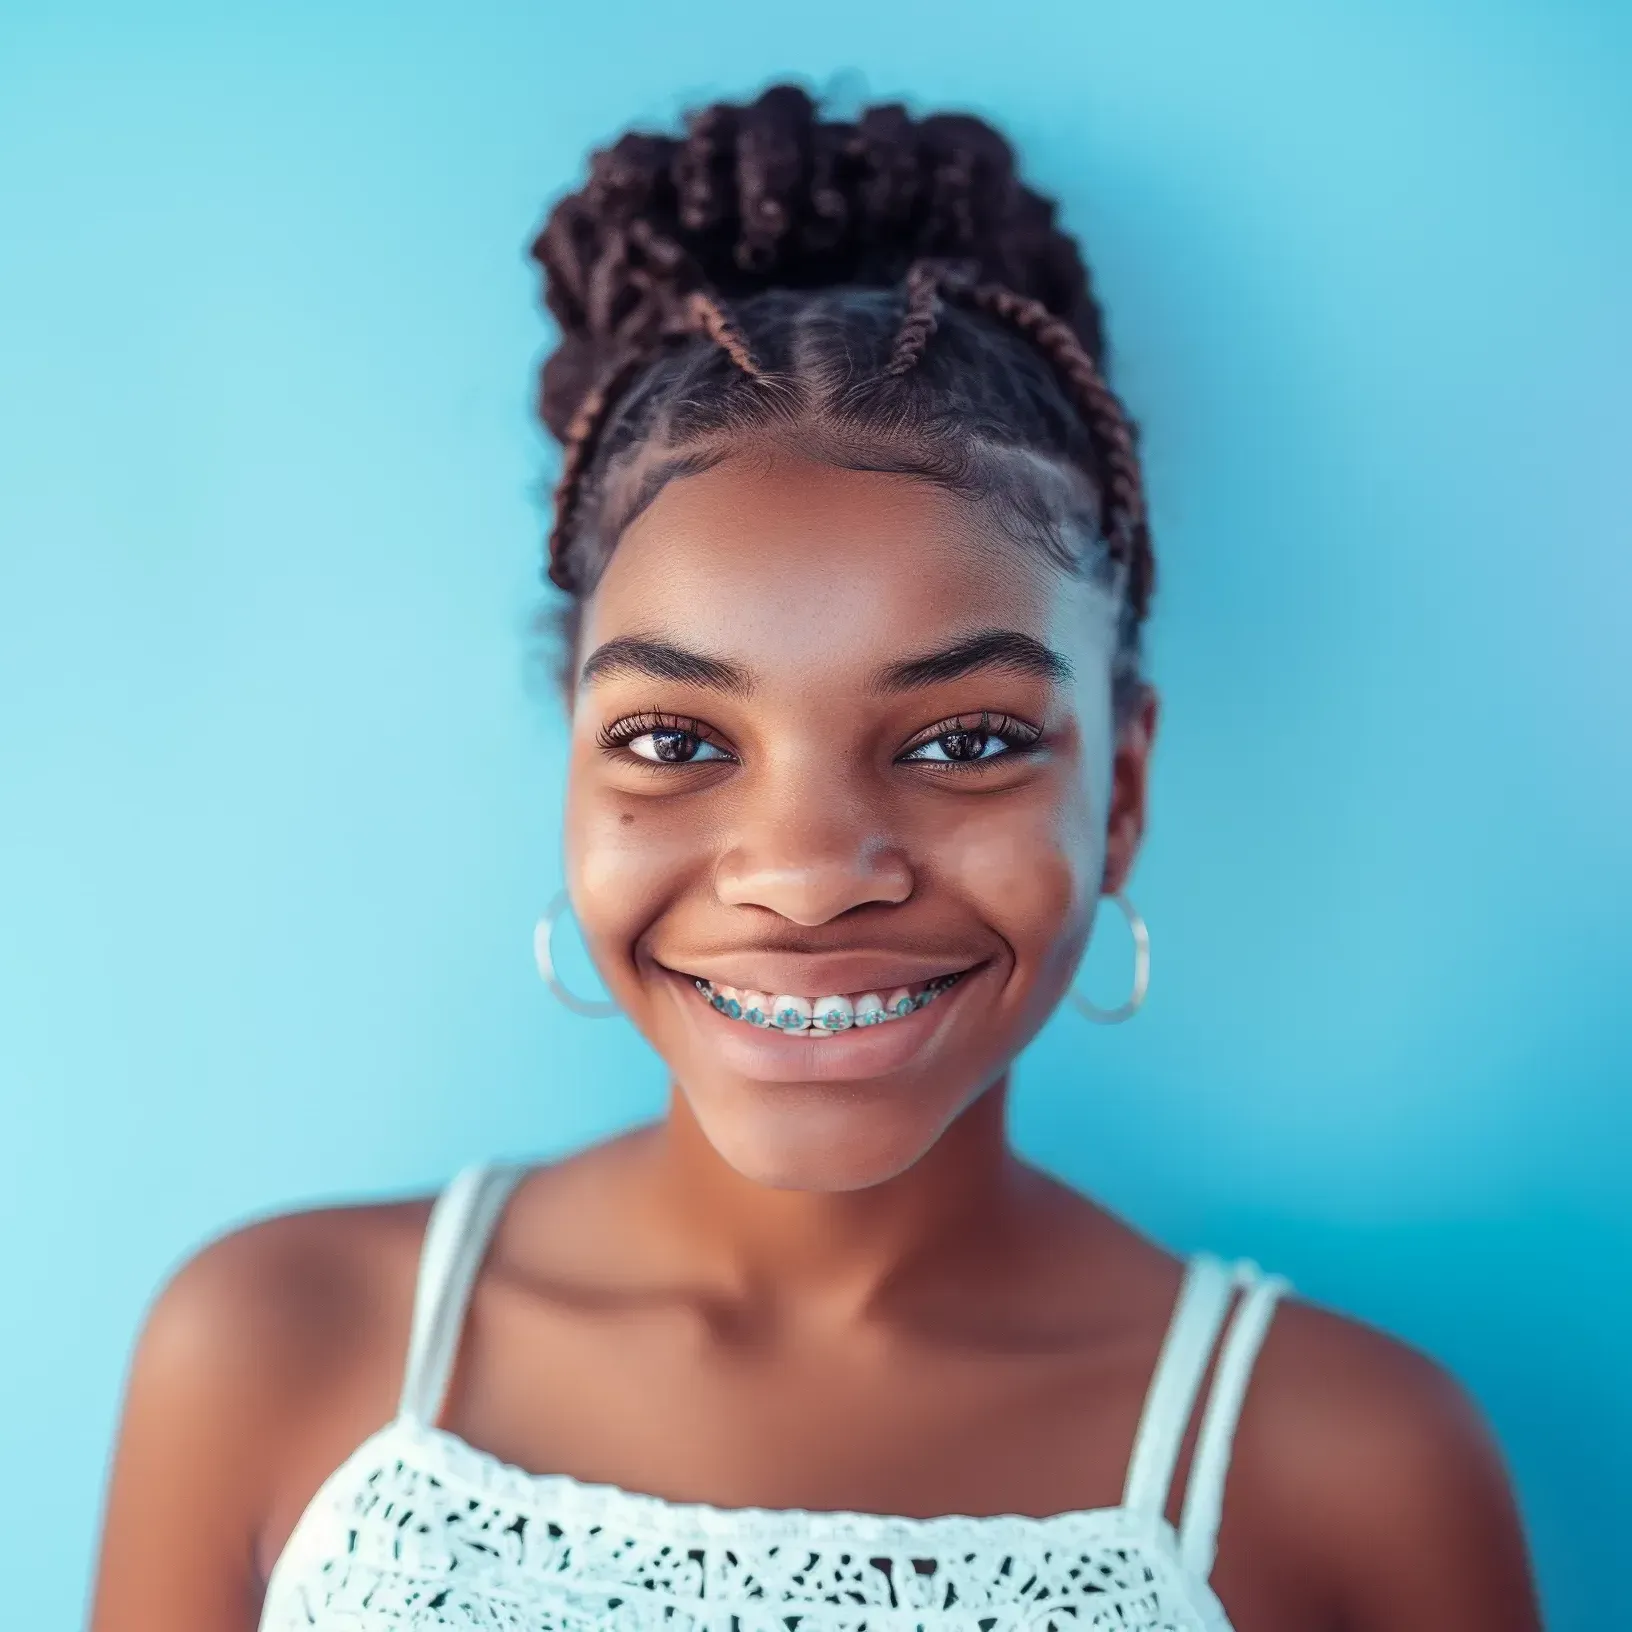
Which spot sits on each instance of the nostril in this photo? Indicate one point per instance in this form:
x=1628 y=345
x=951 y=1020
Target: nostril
x=810 y=890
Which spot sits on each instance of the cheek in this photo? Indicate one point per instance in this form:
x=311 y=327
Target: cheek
x=625 y=861
x=1031 y=871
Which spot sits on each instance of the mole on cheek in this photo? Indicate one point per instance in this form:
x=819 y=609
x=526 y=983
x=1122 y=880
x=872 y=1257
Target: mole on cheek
x=627 y=817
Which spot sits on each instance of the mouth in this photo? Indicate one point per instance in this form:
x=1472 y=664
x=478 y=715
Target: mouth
x=867 y=1035
x=808 y=1017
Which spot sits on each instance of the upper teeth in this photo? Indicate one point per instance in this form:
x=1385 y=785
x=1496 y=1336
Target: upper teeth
x=821 y=1016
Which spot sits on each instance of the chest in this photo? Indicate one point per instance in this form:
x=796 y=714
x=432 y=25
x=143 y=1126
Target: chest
x=556 y=1409
x=661 y=1402
x=670 y=1402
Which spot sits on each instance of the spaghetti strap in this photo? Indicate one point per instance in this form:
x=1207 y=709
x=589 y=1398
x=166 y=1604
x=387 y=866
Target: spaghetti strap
x=456 y=1240
x=1204 y=1489
x=1198 y=1314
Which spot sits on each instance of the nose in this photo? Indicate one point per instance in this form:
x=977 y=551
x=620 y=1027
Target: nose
x=809 y=859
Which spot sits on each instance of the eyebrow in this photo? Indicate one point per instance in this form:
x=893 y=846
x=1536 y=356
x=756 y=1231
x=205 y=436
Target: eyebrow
x=999 y=650
x=663 y=660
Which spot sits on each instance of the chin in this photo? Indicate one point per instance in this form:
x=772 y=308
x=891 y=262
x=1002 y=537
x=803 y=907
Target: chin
x=815 y=1138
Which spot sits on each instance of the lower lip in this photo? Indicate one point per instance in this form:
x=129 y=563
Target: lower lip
x=767 y=1055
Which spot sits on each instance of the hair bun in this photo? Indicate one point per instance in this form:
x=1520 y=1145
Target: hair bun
x=767 y=195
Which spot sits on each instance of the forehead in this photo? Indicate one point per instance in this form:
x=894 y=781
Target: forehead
x=784 y=563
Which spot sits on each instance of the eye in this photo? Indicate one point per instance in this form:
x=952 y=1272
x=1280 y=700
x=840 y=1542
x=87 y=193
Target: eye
x=970 y=740
x=663 y=739
x=960 y=747
x=671 y=746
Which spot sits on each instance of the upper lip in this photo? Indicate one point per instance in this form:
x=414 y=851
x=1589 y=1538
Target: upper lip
x=818 y=974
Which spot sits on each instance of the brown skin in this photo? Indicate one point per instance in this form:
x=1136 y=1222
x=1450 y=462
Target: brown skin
x=838 y=1292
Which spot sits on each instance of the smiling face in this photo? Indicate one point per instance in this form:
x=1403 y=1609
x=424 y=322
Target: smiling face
x=836 y=737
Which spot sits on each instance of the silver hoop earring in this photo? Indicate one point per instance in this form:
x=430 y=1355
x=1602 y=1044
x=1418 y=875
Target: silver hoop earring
x=1141 y=971
x=543 y=932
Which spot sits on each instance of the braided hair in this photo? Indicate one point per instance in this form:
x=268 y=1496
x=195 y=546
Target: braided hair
x=886 y=289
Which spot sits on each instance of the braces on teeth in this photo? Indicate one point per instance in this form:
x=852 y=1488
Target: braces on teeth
x=827 y=1015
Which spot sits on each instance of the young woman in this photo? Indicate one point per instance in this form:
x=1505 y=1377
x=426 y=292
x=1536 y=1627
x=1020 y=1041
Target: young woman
x=855 y=552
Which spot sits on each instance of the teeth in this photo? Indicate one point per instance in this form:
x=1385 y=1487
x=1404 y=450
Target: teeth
x=826 y=1016
x=791 y=1013
x=834 y=1014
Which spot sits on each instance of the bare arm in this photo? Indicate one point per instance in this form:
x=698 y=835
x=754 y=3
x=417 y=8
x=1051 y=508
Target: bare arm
x=1401 y=1495
x=1441 y=1548
x=262 y=1362
x=189 y=1466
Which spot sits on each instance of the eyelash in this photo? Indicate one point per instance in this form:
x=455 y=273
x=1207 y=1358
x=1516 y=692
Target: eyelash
x=616 y=736
x=1018 y=736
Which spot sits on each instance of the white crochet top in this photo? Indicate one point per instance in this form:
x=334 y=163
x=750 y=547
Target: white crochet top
x=418 y=1529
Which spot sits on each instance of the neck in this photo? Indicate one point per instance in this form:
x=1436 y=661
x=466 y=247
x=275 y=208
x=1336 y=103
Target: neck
x=838 y=1250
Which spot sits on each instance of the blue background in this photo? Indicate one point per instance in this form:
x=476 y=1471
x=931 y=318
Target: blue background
x=279 y=781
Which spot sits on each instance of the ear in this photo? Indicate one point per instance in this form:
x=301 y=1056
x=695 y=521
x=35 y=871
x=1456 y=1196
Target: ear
x=1130 y=782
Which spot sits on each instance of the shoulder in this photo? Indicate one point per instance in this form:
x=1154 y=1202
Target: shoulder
x=284 y=1332
x=263 y=1354
x=1378 y=1468
x=267 y=1307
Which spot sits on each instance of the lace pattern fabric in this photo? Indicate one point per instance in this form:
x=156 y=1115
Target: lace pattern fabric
x=420 y=1530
